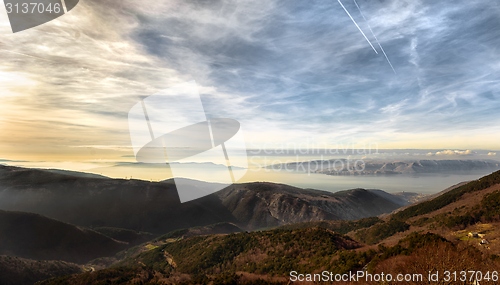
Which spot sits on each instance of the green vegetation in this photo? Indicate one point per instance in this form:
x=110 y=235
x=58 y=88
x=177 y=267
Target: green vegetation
x=129 y=236
x=490 y=207
x=407 y=246
x=422 y=221
x=341 y=227
x=448 y=197
x=220 y=259
x=488 y=210
x=20 y=271
x=418 y=240
x=421 y=253
x=217 y=258
x=218 y=228
x=109 y=276
x=278 y=251
x=173 y=234
x=381 y=231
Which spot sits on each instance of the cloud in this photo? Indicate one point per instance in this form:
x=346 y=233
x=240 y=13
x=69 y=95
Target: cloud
x=452 y=153
x=15 y=83
x=288 y=71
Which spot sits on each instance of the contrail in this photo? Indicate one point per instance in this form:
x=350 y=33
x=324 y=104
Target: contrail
x=357 y=26
x=369 y=27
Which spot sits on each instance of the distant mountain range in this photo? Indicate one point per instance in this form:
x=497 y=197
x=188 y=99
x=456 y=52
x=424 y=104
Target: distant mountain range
x=154 y=206
x=375 y=167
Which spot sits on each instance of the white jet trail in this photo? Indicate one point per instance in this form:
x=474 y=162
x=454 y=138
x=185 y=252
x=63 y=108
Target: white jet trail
x=357 y=26
x=369 y=27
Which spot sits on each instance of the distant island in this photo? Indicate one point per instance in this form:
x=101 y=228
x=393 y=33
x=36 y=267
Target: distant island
x=378 y=167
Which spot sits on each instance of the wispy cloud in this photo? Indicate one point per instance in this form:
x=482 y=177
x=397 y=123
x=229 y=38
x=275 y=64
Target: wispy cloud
x=286 y=71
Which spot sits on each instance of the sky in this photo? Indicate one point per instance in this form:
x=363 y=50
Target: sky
x=293 y=73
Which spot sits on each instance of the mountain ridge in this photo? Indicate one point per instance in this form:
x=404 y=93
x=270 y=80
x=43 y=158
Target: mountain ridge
x=33 y=236
x=154 y=206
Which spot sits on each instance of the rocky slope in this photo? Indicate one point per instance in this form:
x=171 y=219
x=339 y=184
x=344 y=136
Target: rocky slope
x=261 y=205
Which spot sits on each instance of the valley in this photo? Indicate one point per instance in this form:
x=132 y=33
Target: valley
x=251 y=233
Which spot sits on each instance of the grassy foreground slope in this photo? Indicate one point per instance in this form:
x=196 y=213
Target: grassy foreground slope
x=223 y=258
x=20 y=271
x=475 y=202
